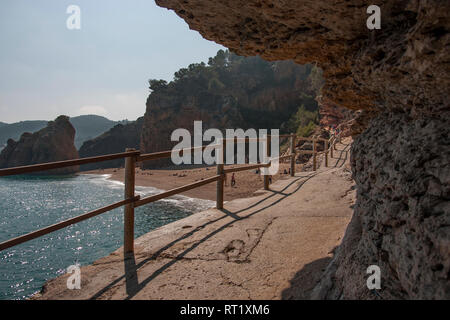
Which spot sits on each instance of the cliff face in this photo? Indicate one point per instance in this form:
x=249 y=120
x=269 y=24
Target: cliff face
x=332 y=115
x=241 y=93
x=115 y=140
x=399 y=77
x=52 y=143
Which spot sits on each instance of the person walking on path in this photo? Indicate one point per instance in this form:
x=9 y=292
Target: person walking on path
x=233 y=180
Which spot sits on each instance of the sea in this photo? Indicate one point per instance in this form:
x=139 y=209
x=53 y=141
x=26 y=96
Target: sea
x=28 y=203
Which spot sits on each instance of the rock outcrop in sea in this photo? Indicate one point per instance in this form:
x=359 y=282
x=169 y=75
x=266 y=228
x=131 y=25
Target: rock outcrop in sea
x=398 y=77
x=55 y=142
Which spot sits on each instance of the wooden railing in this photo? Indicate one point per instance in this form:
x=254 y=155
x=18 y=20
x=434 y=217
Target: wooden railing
x=132 y=201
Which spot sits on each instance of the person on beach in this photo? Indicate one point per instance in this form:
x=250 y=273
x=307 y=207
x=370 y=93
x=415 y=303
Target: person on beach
x=257 y=171
x=233 y=180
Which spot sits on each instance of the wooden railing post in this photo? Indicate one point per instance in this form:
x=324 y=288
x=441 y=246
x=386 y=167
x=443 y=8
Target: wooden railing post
x=292 y=155
x=331 y=147
x=266 y=177
x=220 y=182
x=326 y=153
x=128 y=228
x=314 y=155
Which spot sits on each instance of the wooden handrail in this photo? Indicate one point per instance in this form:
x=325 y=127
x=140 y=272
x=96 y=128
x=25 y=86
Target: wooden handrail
x=311 y=139
x=282 y=157
x=168 y=154
x=63 y=164
x=285 y=135
x=305 y=152
x=246 y=167
x=243 y=139
x=133 y=202
x=175 y=191
x=57 y=226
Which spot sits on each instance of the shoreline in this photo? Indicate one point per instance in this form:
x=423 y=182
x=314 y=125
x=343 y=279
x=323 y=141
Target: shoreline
x=247 y=182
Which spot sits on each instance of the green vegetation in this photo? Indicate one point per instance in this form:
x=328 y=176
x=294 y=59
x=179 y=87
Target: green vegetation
x=267 y=94
x=303 y=122
x=306 y=119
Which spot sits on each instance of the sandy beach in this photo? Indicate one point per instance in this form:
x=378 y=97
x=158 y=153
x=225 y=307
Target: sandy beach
x=247 y=182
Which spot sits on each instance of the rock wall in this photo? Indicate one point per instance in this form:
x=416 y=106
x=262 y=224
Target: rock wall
x=335 y=116
x=55 y=142
x=399 y=78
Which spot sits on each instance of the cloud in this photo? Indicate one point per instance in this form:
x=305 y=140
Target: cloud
x=120 y=105
x=91 y=109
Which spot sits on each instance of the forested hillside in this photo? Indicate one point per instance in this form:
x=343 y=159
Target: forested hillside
x=232 y=92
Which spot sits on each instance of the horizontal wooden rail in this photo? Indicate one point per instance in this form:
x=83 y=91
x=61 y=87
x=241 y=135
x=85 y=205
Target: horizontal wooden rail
x=285 y=135
x=247 y=167
x=63 y=164
x=311 y=139
x=135 y=156
x=262 y=139
x=175 y=191
x=244 y=139
x=168 y=154
x=305 y=152
x=35 y=234
x=282 y=157
x=309 y=152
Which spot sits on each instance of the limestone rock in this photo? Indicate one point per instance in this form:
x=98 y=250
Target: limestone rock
x=52 y=143
x=399 y=77
x=332 y=115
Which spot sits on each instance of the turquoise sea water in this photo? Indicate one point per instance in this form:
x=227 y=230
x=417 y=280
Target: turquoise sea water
x=28 y=203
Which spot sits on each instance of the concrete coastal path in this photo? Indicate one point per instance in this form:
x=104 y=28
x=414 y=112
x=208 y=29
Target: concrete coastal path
x=272 y=246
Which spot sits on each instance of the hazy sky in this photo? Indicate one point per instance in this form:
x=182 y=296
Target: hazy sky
x=47 y=70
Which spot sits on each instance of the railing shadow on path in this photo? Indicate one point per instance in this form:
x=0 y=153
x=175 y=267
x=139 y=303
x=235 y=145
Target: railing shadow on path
x=344 y=151
x=133 y=287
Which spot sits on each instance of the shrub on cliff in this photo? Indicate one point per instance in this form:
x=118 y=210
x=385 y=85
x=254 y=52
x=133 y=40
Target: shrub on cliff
x=303 y=122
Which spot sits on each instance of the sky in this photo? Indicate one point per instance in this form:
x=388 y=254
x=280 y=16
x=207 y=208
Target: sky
x=47 y=70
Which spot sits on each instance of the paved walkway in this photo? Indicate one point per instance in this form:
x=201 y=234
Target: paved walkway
x=273 y=246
